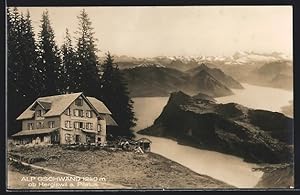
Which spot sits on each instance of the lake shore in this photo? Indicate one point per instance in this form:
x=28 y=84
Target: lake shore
x=129 y=169
x=224 y=167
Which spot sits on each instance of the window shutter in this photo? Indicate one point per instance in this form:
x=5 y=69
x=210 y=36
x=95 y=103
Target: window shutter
x=68 y=111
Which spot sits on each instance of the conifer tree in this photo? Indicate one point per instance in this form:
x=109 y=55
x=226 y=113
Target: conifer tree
x=69 y=63
x=13 y=62
x=87 y=78
x=13 y=46
x=116 y=96
x=49 y=62
x=28 y=81
x=21 y=55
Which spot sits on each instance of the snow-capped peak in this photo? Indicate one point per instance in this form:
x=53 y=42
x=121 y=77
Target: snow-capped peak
x=157 y=65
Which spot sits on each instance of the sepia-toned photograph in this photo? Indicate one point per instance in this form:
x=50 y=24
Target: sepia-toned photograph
x=149 y=97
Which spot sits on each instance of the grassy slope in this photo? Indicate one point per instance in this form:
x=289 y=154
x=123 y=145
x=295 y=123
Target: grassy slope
x=125 y=168
x=277 y=176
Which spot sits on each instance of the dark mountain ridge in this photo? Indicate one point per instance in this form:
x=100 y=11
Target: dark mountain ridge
x=153 y=81
x=255 y=135
x=217 y=74
x=205 y=83
x=149 y=80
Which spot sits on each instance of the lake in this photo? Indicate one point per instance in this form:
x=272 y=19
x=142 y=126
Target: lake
x=258 y=97
x=230 y=169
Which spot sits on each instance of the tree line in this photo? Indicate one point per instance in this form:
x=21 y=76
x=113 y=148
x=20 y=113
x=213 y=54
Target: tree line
x=37 y=68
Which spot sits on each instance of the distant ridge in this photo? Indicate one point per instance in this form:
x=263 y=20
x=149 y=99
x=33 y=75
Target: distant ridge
x=149 y=80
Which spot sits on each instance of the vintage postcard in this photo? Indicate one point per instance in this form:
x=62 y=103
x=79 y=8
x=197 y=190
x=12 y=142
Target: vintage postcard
x=149 y=97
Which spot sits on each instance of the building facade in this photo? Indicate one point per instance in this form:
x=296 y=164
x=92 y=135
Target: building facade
x=65 y=119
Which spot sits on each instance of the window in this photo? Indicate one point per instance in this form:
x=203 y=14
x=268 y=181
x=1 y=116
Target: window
x=68 y=111
x=98 y=128
x=30 y=126
x=90 y=139
x=38 y=113
x=68 y=124
x=39 y=125
x=55 y=138
x=76 y=125
x=51 y=124
x=89 y=114
x=68 y=137
x=81 y=125
x=89 y=126
x=79 y=102
x=78 y=112
x=81 y=113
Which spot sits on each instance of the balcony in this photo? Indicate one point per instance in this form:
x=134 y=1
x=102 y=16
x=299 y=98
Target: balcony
x=79 y=118
x=88 y=130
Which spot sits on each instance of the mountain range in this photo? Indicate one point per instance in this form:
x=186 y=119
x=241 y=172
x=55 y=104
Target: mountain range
x=265 y=69
x=277 y=74
x=148 y=80
x=184 y=63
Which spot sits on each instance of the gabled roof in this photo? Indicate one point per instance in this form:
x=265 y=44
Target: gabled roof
x=43 y=104
x=59 y=103
x=109 y=120
x=100 y=106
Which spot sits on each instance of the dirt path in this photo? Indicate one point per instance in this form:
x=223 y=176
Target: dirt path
x=44 y=168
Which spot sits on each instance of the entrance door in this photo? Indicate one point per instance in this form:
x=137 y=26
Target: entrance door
x=55 y=138
x=77 y=138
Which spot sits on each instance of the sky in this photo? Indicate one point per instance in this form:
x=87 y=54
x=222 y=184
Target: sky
x=178 y=30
